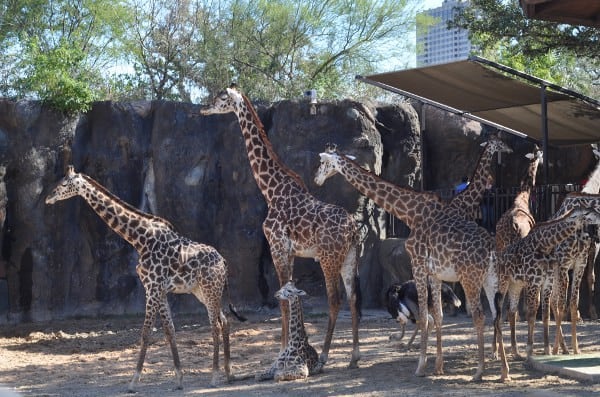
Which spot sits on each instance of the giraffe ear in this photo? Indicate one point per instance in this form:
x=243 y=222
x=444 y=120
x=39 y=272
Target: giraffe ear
x=530 y=156
x=596 y=153
x=353 y=158
x=483 y=144
x=325 y=156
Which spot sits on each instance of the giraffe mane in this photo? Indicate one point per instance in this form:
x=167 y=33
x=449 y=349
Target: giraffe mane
x=269 y=146
x=126 y=205
x=350 y=159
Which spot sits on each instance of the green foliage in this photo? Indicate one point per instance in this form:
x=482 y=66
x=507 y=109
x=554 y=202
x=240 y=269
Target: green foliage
x=56 y=77
x=563 y=54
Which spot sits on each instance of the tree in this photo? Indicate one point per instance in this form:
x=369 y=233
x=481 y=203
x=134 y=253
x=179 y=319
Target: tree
x=564 y=54
x=274 y=49
x=57 y=50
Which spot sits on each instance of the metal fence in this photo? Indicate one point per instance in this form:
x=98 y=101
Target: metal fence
x=544 y=201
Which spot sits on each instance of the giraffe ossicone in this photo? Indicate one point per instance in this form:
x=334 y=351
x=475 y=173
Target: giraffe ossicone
x=168 y=263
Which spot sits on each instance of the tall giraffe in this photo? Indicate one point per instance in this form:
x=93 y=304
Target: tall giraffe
x=518 y=220
x=468 y=200
x=526 y=264
x=168 y=262
x=442 y=246
x=298 y=224
x=571 y=254
x=515 y=224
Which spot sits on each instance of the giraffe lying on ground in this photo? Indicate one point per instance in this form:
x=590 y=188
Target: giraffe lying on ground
x=527 y=263
x=403 y=304
x=168 y=262
x=297 y=223
x=299 y=359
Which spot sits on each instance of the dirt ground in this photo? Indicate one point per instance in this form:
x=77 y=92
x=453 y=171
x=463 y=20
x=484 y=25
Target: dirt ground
x=97 y=357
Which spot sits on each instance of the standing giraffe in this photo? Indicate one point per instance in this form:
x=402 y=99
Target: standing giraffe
x=526 y=264
x=298 y=224
x=299 y=359
x=469 y=200
x=168 y=262
x=513 y=225
x=571 y=254
x=443 y=246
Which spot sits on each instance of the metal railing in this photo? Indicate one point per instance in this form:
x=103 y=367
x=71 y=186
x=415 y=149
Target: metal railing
x=544 y=201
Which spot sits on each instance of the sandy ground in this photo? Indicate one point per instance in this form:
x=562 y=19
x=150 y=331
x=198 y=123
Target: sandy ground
x=97 y=357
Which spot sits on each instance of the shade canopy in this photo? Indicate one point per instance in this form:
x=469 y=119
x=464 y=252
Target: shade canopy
x=488 y=94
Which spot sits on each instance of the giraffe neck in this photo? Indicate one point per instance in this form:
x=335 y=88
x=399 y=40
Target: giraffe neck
x=409 y=206
x=296 y=324
x=469 y=199
x=592 y=185
x=528 y=181
x=124 y=219
x=272 y=176
x=549 y=234
x=574 y=200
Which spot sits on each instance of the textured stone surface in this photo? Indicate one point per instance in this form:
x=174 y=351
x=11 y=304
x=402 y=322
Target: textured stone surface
x=164 y=158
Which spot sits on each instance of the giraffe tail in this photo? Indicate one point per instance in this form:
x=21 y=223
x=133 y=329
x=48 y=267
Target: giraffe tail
x=232 y=308
x=357 y=291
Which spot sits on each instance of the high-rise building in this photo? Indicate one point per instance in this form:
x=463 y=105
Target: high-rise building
x=438 y=44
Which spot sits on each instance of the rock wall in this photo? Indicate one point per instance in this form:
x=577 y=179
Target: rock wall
x=162 y=157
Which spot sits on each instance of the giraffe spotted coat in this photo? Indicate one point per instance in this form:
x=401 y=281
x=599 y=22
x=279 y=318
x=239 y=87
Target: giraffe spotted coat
x=299 y=359
x=168 y=262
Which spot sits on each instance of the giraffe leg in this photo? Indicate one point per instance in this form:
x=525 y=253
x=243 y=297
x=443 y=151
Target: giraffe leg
x=333 y=299
x=559 y=303
x=351 y=281
x=472 y=295
x=436 y=298
x=533 y=302
x=498 y=303
x=574 y=303
x=226 y=345
x=421 y=283
x=412 y=338
x=546 y=318
x=591 y=278
x=513 y=307
x=169 y=330
x=215 y=319
x=151 y=310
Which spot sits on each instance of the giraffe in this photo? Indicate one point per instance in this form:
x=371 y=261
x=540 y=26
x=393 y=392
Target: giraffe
x=469 y=199
x=513 y=225
x=299 y=359
x=518 y=220
x=168 y=262
x=298 y=224
x=571 y=254
x=442 y=246
x=526 y=264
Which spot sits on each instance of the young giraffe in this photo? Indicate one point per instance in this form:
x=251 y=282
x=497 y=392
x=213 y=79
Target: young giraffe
x=526 y=264
x=513 y=225
x=299 y=359
x=168 y=262
x=298 y=224
x=442 y=247
x=571 y=254
x=468 y=201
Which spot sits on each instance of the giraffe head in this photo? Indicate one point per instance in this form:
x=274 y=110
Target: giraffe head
x=68 y=187
x=331 y=162
x=226 y=101
x=495 y=144
x=536 y=155
x=289 y=291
